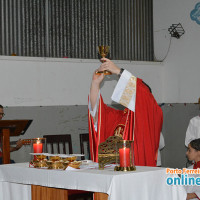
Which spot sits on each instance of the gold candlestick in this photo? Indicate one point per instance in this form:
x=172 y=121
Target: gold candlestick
x=103 y=52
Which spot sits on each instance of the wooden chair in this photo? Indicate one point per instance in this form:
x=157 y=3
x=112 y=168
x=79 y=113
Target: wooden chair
x=84 y=139
x=58 y=141
x=82 y=195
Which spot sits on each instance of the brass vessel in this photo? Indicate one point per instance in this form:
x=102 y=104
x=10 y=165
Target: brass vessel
x=125 y=169
x=55 y=164
x=103 y=52
x=75 y=164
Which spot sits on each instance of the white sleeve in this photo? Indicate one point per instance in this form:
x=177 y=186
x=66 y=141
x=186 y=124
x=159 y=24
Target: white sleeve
x=162 y=141
x=190 y=133
x=93 y=112
x=161 y=146
x=125 y=90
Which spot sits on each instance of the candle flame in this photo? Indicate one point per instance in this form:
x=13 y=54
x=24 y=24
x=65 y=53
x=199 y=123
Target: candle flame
x=38 y=140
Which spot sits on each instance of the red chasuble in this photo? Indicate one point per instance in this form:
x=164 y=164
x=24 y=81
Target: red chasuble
x=143 y=126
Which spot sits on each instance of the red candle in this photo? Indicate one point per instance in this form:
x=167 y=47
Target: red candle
x=124 y=157
x=37 y=147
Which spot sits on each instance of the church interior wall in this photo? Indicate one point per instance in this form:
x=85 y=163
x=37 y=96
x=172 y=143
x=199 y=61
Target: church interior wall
x=181 y=71
x=181 y=66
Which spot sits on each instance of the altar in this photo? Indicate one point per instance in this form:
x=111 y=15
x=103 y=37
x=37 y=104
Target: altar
x=146 y=183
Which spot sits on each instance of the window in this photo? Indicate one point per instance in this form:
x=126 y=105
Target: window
x=74 y=28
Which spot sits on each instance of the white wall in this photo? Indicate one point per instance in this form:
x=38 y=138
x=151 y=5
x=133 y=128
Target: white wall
x=48 y=81
x=181 y=68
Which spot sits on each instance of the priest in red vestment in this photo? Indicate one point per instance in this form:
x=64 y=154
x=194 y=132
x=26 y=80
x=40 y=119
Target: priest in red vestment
x=140 y=121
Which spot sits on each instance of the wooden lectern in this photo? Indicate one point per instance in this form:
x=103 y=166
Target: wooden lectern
x=11 y=128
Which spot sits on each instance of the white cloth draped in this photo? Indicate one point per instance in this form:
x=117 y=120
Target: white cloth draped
x=146 y=183
x=14 y=191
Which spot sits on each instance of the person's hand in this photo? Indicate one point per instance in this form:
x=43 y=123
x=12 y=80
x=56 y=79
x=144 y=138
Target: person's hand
x=191 y=196
x=109 y=66
x=97 y=78
x=19 y=144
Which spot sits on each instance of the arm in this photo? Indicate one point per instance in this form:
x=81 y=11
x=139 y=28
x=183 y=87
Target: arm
x=191 y=196
x=94 y=93
x=17 y=147
x=94 y=89
x=97 y=79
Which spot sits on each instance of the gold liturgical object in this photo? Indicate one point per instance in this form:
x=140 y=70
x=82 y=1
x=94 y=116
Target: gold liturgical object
x=103 y=52
x=118 y=151
x=107 y=151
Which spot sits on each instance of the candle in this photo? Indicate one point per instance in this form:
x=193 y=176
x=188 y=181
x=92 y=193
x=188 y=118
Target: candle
x=37 y=147
x=124 y=157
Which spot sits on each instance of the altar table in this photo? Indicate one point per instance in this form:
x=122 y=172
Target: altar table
x=146 y=183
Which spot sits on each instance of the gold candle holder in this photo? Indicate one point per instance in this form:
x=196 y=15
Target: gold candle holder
x=38 y=146
x=103 y=52
x=125 y=158
x=39 y=161
x=125 y=169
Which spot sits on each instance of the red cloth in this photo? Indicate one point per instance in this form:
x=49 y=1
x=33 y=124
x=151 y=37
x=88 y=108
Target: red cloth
x=144 y=125
x=196 y=165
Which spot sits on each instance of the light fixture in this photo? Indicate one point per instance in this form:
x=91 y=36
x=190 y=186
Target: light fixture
x=176 y=30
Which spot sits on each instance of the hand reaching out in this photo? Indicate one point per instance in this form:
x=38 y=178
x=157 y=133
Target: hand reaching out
x=191 y=196
x=19 y=144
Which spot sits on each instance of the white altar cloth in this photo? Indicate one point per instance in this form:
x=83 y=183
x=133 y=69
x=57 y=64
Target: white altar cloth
x=146 y=183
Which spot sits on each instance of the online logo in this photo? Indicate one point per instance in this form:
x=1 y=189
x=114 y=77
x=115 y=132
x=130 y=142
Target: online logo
x=183 y=176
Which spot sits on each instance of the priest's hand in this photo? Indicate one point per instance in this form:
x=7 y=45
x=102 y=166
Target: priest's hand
x=97 y=78
x=109 y=66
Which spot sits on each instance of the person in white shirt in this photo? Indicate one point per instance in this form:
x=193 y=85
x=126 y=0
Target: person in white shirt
x=193 y=130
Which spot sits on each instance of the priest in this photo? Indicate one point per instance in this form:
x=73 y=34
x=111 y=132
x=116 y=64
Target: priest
x=141 y=120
